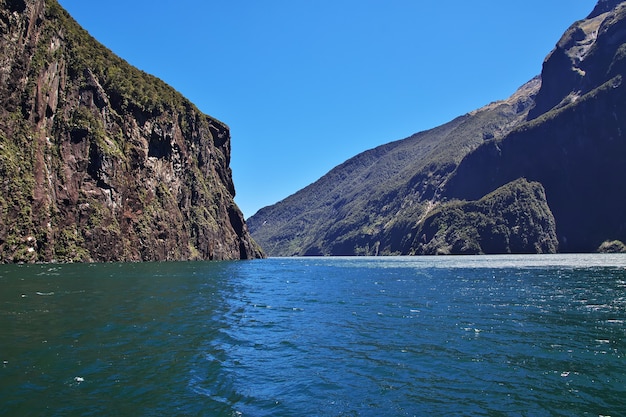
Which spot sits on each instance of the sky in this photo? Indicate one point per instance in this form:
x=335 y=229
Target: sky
x=306 y=84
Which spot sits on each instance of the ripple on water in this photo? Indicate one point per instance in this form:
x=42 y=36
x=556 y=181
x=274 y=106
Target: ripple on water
x=283 y=337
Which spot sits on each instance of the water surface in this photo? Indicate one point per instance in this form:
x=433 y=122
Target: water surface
x=473 y=336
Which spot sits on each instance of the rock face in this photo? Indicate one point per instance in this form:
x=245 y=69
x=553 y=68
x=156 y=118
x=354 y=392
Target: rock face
x=100 y=161
x=574 y=143
x=540 y=172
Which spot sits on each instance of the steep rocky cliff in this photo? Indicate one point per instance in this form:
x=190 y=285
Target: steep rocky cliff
x=100 y=161
x=539 y=172
x=574 y=143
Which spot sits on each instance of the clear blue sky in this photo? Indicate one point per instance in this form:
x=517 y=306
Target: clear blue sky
x=306 y=84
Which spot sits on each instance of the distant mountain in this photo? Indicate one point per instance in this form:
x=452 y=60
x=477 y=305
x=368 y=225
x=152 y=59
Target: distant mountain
x=540 y=172
x=100 y=161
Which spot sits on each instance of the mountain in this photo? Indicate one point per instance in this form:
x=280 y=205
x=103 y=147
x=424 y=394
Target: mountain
x=574 y=142
x=367 y=204
x=539 y=172
x=100 y=161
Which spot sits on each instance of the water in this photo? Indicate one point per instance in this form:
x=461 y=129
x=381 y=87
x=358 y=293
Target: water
x=463 y=336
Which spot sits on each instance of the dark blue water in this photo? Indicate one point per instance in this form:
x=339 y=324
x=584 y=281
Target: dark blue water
x=469 y=336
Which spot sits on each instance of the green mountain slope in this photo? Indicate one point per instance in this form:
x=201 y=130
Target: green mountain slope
x=563 y=134
x=100 y=161
x=365 y=204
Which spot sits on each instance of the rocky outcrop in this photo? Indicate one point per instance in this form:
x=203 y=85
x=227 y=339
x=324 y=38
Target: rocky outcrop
x=583 y=59
x=100 y=161
x=515 y=218
x=603 y=6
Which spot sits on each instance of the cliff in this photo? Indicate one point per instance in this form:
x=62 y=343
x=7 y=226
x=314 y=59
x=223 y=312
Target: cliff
x=539 y=172
x=100 y=161
x=573 y=142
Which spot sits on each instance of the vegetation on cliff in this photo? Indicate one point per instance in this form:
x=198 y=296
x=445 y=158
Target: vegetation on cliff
x=448 y=190
x=101 y=161
x=515 y=218
x=369 y=204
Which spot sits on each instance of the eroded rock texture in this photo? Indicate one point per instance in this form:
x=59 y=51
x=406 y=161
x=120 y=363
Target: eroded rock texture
x=100 y=161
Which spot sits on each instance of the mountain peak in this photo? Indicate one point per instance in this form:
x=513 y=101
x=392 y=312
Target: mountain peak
x=604 y=6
